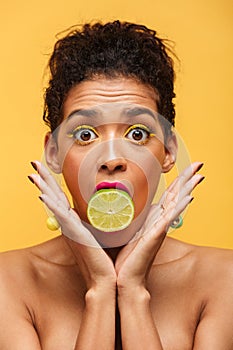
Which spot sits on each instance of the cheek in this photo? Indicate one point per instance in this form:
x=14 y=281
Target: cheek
x=70 y=169
x=141 y=191
x=158 y=151
x=145 y=182
x=70 y=172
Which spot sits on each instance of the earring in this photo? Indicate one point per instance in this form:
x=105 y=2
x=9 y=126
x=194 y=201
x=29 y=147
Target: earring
x=178 y=222
x=52 y=223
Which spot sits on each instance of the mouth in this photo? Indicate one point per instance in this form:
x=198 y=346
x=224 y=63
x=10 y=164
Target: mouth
x=115 y=185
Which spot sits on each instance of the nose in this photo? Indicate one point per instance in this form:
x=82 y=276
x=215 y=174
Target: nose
x=114 y=165
x=112 y=156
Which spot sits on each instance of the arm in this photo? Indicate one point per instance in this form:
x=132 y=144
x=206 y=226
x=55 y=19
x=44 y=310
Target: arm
x=137 y=326
x=135 y=260
x=97 y=328
x=215 y=329
x=17 y=331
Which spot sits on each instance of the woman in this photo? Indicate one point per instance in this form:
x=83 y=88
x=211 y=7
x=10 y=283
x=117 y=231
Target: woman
x=134 y=288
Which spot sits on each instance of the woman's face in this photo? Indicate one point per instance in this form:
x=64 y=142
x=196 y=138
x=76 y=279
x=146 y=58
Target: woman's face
x=111 y=134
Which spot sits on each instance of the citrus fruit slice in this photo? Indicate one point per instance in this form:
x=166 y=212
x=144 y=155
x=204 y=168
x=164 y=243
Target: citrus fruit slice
x=110 y=210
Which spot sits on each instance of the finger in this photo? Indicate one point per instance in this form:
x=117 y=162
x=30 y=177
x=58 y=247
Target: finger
x=182 y=186
x=188 y=172
x=71 y=224
x=42 y=186
x=50 y=181
x=56 y=206
x=46 y=190
x=154 y=236
x=151 y=239
x=185 y=175
x=174 y=209
x=47 y=177
x=155 y=228
x=191 y=184
x=179 y=192
x=152 y=217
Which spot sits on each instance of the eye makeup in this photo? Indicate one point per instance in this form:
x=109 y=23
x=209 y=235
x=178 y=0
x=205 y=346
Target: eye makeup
x=84 y=135
x=139 y=134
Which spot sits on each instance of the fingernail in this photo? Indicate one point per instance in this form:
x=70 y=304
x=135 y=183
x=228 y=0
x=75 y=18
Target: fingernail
x=200 y=166
x=191 y=199
x=33 y=164
x=31 y=179
x=201 y=179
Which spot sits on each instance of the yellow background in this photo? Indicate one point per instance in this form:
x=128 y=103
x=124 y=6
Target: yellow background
x=203 y=33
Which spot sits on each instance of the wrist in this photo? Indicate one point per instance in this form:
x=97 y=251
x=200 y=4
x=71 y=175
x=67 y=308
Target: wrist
x=133 y=294
x=103 y=293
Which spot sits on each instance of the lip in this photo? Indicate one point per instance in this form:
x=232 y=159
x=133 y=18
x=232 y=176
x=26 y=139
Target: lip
x=107 y=185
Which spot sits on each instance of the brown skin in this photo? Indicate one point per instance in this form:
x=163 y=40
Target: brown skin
x=62 y=295
x=190 y=287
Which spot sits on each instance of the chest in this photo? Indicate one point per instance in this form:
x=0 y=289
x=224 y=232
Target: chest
x=174 y=306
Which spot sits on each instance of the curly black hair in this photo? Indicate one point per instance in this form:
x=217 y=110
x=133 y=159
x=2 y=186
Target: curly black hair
x=112 y=49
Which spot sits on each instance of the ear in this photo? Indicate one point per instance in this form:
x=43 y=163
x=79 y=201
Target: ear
x=51 y=153
x=171 y=148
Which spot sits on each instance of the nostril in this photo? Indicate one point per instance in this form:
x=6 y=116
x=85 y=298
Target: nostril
x=118 y=167
x=103 y=166
x=113 y=165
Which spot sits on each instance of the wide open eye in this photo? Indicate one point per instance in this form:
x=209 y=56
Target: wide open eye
x=84 y=134
x=138 y=133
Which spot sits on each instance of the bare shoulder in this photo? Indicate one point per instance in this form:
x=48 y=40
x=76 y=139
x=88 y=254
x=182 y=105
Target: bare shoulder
x=14 y=267
x=210 y=261
x=214 y=266
x=24 y=266
x=26 y=275
x=211 y=268
x=21 y=276
x=16 y=276
x=211 y=285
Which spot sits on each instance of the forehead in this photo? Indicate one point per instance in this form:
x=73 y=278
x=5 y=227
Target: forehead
x=109 y=91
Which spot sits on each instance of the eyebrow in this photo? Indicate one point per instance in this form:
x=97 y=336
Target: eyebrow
x=132 y=112
x=83 y=112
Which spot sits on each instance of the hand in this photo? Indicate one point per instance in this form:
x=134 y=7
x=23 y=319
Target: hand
x=94 y=264
x=134 y=261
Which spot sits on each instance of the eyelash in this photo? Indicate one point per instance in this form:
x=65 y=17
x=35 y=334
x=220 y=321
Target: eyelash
x=89 y=128
x=140 y=127
x=80 y=128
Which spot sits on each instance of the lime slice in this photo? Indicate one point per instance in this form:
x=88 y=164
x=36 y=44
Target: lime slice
x=110 y=210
